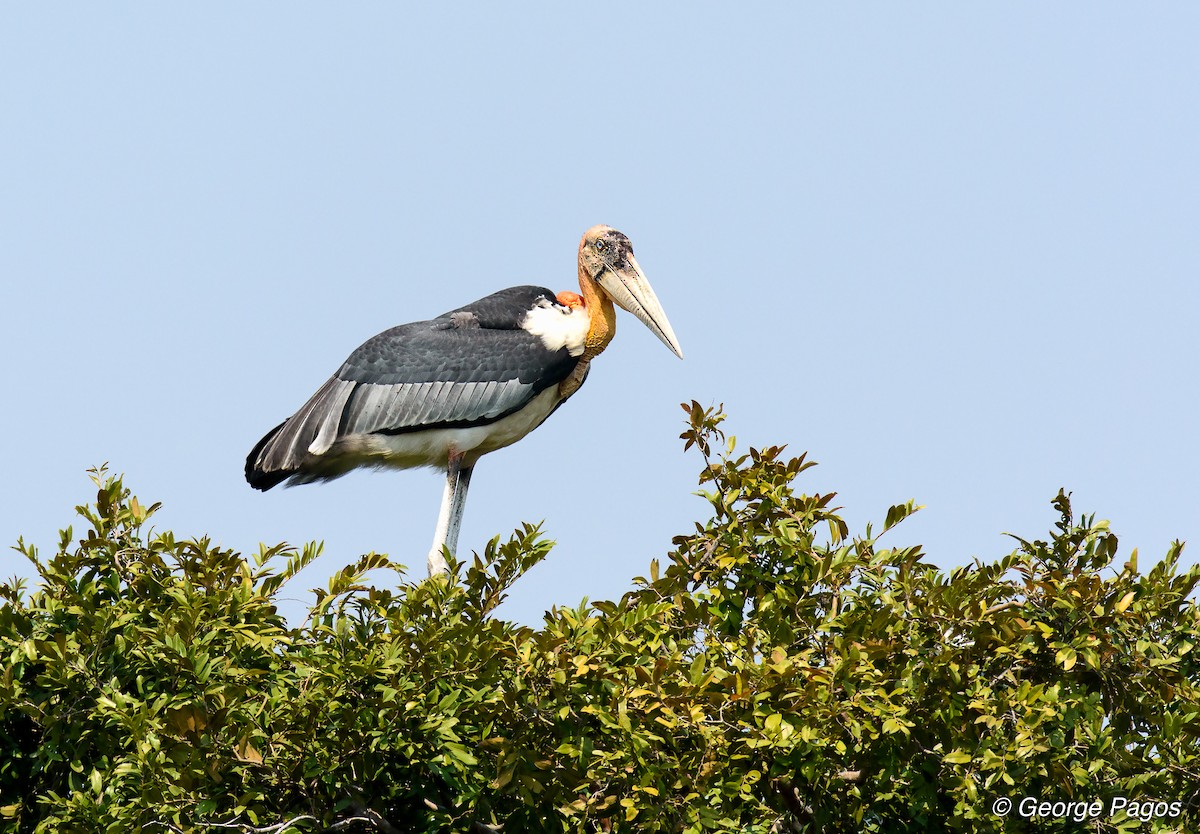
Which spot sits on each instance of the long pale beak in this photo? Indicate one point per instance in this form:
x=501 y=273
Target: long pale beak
x=629 y=290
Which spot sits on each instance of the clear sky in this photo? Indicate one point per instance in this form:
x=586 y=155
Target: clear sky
x=951 y=250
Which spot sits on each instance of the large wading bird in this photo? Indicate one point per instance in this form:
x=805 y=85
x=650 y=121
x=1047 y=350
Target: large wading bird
x=446 y=392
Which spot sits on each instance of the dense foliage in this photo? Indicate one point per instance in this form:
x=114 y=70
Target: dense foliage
x=776 y=674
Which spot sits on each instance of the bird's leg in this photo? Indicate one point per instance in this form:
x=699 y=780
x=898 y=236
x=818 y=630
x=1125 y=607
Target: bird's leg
x=454 y=500
x=458 y=503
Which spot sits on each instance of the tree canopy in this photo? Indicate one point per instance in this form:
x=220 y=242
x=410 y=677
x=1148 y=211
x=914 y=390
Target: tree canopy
x=774 y=673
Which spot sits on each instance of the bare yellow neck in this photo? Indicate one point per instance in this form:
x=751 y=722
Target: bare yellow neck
x=601 y=314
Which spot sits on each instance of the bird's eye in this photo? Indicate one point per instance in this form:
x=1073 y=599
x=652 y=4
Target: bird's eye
x=601 y=245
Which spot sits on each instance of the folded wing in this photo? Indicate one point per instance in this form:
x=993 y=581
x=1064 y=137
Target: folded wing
x=469 y=367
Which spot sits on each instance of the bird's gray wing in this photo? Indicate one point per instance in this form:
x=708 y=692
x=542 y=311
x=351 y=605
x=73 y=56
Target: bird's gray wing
x=445 y=373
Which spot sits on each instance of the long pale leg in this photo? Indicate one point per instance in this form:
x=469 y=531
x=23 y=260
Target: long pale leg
x=454 y=500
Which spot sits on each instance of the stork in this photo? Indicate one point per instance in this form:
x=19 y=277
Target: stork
x=445 y=392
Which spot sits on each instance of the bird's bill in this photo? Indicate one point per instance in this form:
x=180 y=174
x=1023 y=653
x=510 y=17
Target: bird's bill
x=629 y=290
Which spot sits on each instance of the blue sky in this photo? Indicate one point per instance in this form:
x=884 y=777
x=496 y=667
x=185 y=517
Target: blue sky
x=949 y=250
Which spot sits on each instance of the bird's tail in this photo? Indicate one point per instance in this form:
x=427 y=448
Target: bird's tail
x=257 y=475
x=293 y=449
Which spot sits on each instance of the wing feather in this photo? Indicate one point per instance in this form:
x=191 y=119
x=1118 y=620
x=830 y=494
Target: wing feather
x=311 y=430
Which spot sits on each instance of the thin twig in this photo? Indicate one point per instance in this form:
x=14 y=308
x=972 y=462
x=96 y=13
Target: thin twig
x=374 y=817
x=266 y=829
x=241 y=826
x=345 y=823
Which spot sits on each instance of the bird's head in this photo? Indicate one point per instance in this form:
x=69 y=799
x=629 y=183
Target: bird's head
x=606 y=255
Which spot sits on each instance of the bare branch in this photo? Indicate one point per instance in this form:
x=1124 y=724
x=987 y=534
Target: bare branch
x=365 y=814
x=800 y=810
x=239 y=826
x=345 y=823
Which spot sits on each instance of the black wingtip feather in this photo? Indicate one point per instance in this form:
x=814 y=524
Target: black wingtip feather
x=258 y=478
